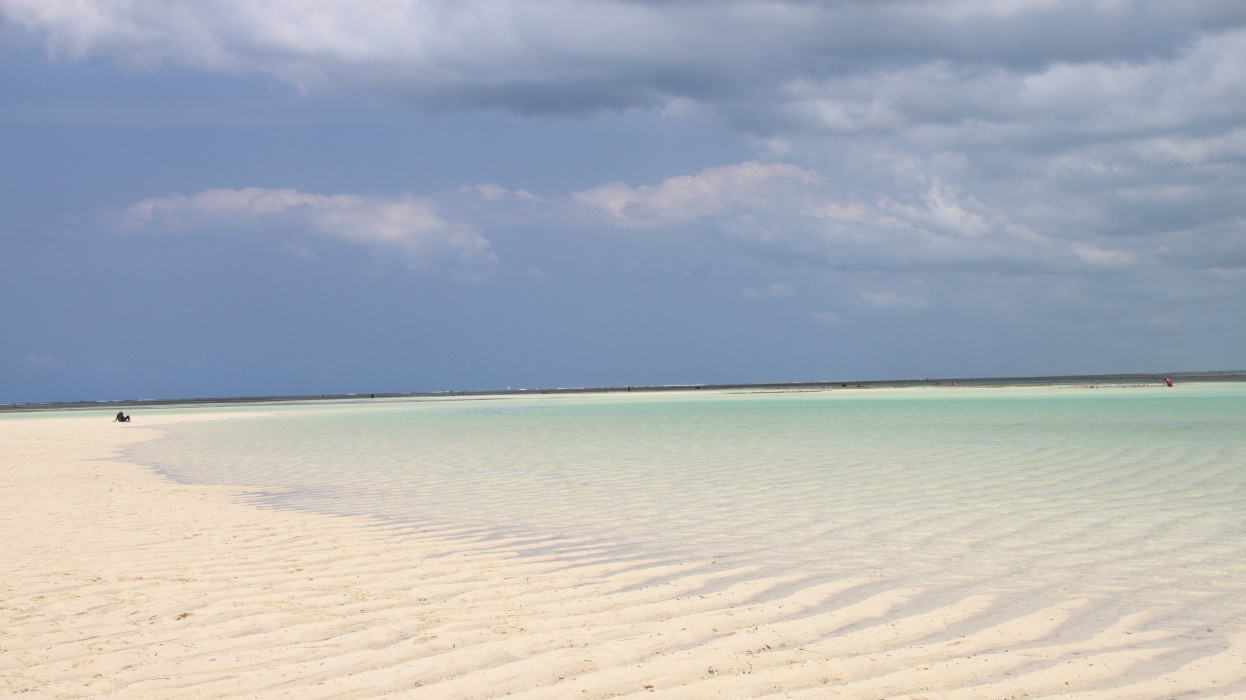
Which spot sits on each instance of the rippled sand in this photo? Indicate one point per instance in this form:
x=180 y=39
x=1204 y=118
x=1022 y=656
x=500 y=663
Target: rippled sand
x=120 y=583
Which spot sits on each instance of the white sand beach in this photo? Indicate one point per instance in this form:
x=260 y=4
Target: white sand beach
x=119 y=583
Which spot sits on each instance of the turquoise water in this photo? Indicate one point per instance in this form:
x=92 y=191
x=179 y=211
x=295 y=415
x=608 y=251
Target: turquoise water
x=1136 y=492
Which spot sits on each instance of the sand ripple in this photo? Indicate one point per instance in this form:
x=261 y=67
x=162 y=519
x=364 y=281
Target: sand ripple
x=121 y=584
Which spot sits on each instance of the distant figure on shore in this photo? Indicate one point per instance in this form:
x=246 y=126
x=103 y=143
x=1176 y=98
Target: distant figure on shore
x=121 y=418
x=1168 y=381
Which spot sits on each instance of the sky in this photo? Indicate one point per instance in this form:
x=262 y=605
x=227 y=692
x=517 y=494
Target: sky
x=288 y=197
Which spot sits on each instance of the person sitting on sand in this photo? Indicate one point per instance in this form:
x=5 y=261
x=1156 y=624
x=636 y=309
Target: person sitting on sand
x=121 y=418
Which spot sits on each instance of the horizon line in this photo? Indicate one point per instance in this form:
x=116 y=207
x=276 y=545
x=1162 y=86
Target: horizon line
x=1134 y=377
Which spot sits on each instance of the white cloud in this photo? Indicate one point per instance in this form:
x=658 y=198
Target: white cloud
x=894 y=300
x=752 y=187
x=924 y=222
x=934 y=224
x=774 y=290
x=779 y=289
x=409 y=226
x=497 y=193
x=43 y=361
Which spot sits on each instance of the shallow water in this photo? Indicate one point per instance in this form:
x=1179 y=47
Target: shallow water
x=861 y=544
x=1134 y=493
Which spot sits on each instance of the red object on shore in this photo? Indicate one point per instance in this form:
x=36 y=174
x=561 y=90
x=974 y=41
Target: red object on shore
x=1168 y=380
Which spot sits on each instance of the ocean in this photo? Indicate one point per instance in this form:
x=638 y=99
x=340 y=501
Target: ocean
x=1132 y=497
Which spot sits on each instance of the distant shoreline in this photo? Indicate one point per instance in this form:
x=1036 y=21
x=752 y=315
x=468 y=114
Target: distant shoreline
x=1138 y=379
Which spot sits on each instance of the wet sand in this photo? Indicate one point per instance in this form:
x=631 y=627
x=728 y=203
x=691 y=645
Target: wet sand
x=120 y=583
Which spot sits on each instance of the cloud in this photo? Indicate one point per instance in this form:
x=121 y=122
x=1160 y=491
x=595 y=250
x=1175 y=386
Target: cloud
x=43 y=361
x=552 y=56
x=714 y=192
x=957 y=130
x=958 y=102
x=408 y=225
x=894 y=301
x=922 y=221
x=926 y=223
x=776 y=289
